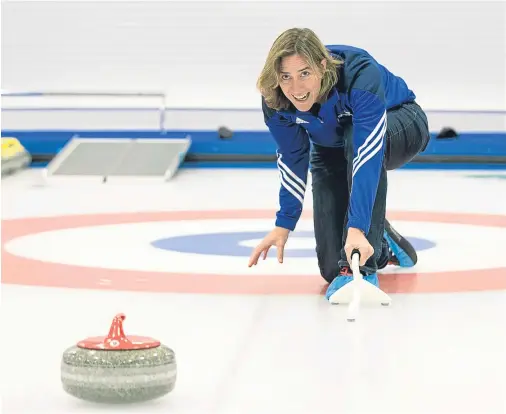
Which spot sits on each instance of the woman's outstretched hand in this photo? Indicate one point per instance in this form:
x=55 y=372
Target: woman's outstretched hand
x=276 y=237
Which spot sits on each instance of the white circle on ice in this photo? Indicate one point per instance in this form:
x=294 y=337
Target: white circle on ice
x=128 y=247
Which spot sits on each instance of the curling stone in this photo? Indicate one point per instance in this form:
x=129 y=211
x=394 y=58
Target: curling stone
x=116 y=369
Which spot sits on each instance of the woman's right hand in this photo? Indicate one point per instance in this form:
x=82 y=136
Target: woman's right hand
x=276 y=237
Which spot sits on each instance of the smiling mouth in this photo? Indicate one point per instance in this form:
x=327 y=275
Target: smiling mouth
x=301 y=98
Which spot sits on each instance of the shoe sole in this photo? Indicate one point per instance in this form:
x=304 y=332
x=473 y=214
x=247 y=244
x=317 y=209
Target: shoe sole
x=400 y=246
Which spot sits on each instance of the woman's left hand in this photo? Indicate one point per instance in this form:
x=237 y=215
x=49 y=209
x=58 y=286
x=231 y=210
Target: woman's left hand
x=357 y=240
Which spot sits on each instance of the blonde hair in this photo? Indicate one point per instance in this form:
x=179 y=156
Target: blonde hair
x=307 y=45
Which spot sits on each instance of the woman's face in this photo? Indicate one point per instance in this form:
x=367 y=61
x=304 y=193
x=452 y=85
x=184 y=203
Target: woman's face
x=299 y=83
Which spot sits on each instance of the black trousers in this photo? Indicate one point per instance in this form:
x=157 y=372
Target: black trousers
x=407 y=135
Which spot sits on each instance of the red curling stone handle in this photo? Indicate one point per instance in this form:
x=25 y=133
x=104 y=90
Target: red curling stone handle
x=117 y=340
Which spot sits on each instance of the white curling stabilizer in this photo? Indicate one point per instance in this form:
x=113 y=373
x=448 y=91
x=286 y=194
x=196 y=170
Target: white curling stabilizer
x=358 y=290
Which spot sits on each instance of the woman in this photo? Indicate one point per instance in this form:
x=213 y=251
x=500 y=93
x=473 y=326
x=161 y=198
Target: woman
x=338 y=109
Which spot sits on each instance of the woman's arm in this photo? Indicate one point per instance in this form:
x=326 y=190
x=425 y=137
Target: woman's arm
x=293 y=162
x=367 y=101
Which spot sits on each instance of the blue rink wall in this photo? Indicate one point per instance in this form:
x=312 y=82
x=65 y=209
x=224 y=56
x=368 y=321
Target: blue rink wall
x=256 y=149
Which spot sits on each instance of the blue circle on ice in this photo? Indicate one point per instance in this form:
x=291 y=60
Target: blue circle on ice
x=236 y=244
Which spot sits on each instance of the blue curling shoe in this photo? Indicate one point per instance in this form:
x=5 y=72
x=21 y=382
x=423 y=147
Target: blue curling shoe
x=345 y=276
x=372 y=279
x=403 y=254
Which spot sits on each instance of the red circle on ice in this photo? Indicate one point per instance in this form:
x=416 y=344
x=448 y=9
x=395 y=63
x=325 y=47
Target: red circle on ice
x=24 y=271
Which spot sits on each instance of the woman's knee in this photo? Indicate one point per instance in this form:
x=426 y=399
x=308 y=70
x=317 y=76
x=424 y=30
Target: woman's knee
x=329 y=271
x=405 y=144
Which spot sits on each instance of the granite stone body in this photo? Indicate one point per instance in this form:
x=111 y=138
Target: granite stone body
x=118 y=370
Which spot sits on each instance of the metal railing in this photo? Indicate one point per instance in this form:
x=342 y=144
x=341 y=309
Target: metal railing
x=160 y=95
x=162 y=106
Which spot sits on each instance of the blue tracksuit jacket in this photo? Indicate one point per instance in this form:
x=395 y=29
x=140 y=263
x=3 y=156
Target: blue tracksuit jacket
x=364 y=92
